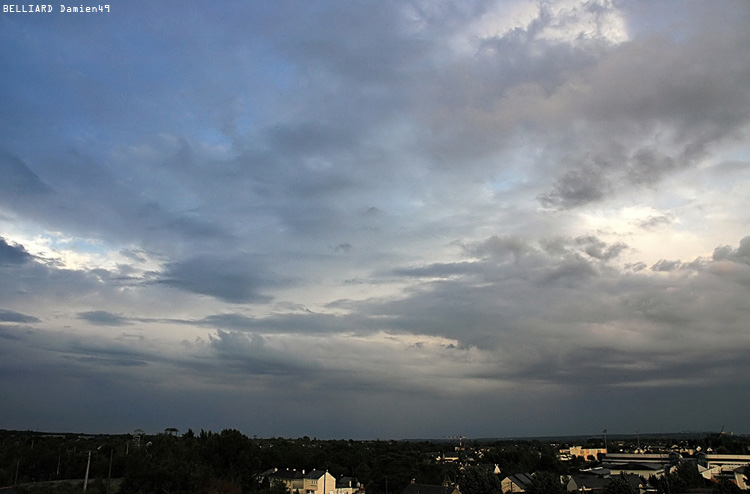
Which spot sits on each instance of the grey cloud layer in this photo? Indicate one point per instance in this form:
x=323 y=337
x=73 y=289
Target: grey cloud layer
x=393 y=206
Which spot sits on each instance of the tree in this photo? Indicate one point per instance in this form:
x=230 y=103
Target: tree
x=545 y=483
x=278 y=487
x=689 y=475
x=725 y=486
x=475 y=480
x=619 y=485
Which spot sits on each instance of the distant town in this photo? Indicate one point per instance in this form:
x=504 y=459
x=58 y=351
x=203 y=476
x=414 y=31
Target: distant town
x=229 y=462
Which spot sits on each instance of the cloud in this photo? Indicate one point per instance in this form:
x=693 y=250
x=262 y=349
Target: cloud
x=17 y=179
x=13 y=254
x=740 y=254
x=13 y=316
x=576 y=188
x=665 y=265
x=653 y=222
x=599 y=249
x=235 y=280
x=249 y=354
x=103 y=318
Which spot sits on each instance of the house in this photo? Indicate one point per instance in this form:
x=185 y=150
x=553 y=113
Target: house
x=516 y=483
x=349 y=485
x=587 y=483
x=492 y=468
x=318 y=482
x=292 y=479
x=449 y=457
x=415 y=488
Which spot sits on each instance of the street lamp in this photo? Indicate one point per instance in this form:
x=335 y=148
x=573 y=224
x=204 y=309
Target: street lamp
x=88 y=466
x=111 y=453
x=86 y=479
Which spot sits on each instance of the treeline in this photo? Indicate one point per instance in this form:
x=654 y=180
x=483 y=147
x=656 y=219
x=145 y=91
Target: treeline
x=229 y=461
x=192 y=462
x=198 y=462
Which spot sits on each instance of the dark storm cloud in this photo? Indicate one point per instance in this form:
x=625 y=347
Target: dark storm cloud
x=34 y=281
x=665 y=265
x=478 y=105
x=249 y=354
x=304 y=322
x=577 y=187
x=310 y=138
x=115 y=205
x=12 y=254
x=100 y=362
x=94 y=355
x=17 y=179
x=599 y=249
x=438 y=270
x=598 y=328
x=523 y=56
x=695 y=108
x=103 y=318
x=740 y=254
x=13 y=316
x=504 y=248
x=236 y=280
x=500 y=246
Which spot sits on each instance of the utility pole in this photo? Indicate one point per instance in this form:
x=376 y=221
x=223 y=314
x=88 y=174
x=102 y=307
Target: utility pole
x=86 y=480
x=109 y=474
x=638 y=438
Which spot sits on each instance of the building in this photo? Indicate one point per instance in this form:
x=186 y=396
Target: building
x=349 y=485
x=491 y=468
x=644 y=469
x=587 y=454
x=516 y=483
x=318 y=482
x=643 y=464
x=742 y=477
x=292 y=479
x=730 y=467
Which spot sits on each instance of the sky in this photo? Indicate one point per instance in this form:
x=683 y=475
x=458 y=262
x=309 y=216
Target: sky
x=376 y=219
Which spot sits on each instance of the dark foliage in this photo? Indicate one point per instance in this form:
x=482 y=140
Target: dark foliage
x=619 y=485
x=476 y=480
x=726 y=487
x=684 y=478
x=230 y=462
x=546 y=483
